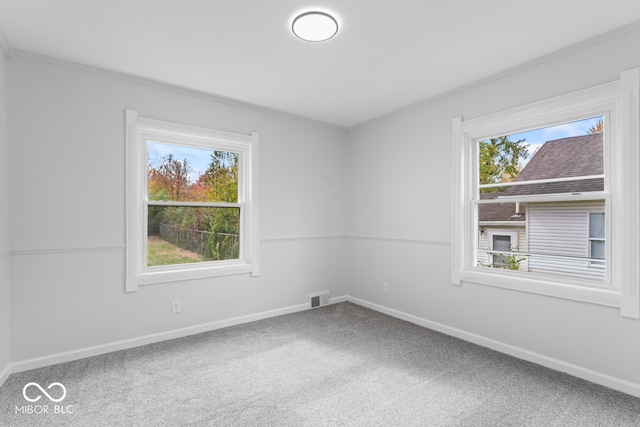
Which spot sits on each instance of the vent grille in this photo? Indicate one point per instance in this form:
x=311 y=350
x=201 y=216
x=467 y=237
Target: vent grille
x=318 y=300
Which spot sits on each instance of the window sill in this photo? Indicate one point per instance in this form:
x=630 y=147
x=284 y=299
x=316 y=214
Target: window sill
x=578 y=290
x=153 y=276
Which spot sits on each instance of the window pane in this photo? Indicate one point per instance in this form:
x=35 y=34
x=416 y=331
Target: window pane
x=188 y=174
x=564 y=153
x=552 y=233
x=502 y=243
x=596 y=225
x=597 y=249
x=179 y=234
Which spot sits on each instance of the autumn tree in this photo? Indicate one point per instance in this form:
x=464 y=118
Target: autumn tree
x=597 y=128
x=499 y=160
x=168 y=179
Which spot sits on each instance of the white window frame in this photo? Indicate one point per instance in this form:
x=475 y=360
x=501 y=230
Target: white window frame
x=513 y=240
x=139 y=131
x=618 y=103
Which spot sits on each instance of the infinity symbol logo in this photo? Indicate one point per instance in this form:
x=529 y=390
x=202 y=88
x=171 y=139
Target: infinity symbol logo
x=64 y=392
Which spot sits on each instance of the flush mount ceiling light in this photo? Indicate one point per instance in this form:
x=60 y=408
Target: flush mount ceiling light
x=314 y=26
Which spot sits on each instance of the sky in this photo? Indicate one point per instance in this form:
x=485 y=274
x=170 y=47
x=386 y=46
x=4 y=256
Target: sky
x=535 y=138
x=199 y=158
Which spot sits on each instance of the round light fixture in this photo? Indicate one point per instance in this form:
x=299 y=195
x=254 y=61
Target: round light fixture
x=314 y=26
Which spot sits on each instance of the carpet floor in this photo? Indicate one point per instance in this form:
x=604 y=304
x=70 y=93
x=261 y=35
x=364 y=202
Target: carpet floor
x=340 y=365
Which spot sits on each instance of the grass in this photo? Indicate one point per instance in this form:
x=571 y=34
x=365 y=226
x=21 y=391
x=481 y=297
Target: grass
x=161 y=252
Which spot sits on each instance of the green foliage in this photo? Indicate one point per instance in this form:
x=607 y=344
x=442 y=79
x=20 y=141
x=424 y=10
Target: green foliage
x=507 y=262
x=161 y=252
x=221 y=177
x=499 y=160
x=218 y=227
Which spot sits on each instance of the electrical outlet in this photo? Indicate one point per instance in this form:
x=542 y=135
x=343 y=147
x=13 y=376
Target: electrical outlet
x=385 y=287
x=175 y=306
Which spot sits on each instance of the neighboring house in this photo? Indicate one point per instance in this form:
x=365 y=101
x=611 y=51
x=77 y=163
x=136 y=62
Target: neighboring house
x=549 y=230
x=502 y=228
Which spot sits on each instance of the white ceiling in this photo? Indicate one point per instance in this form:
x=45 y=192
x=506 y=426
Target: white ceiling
x=388 y=53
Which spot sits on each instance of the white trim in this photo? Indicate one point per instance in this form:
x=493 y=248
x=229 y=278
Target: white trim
x=90 y=249
x=541 y=181
x=520 y=353
x=20 y=53
x=4 y=374
x=400 y=240
x=53 y=251
x=618 y=101
x=5 y=46
x=139 y=130
x=300 y=238
x=615 y=383
x=627 y=219
x=68 y=356
x=619 y=32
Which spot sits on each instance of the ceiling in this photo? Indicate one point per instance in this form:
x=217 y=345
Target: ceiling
x=387 y=54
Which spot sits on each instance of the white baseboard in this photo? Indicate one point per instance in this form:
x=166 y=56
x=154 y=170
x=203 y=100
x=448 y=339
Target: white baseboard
x=336 y=300
x=555 y=364
x=520 y=353
x=4 y=374
x=69 y=356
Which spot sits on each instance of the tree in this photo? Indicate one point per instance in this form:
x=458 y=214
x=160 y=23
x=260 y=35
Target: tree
x=221 y=179
x=499 y=160
x=597 y=128
x=169 y=179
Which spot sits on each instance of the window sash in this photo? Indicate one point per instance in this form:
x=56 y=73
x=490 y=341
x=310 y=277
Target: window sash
x=540 y=181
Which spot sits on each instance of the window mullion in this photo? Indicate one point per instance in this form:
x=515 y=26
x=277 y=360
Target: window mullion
x=194 y=204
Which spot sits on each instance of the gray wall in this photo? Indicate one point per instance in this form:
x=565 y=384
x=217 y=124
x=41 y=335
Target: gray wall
x=400 y=209
x=4 y=224
x=67 y=206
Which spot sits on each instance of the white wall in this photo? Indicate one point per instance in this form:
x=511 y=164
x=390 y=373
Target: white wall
x=67 y=206
x=399 y=214
x=4 y=224
x=389 y=178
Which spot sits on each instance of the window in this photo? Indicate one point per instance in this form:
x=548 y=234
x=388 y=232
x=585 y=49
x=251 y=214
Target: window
x=566 y=194
x=192 y=208
x=501 y=245
x=596 y=238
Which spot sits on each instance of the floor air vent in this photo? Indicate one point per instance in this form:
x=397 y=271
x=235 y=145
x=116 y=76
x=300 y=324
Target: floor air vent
x=318 y=300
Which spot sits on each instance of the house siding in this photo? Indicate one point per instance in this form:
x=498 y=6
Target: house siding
x=561 y=229
x=483 y=243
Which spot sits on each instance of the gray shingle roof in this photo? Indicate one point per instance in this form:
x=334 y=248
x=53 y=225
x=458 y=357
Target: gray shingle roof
x=499 y=211
x=560 y=158
x=563 y=158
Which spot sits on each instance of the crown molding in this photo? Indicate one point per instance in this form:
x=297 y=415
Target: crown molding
x=143 y=81
x=5 y=46
x=593 y=41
